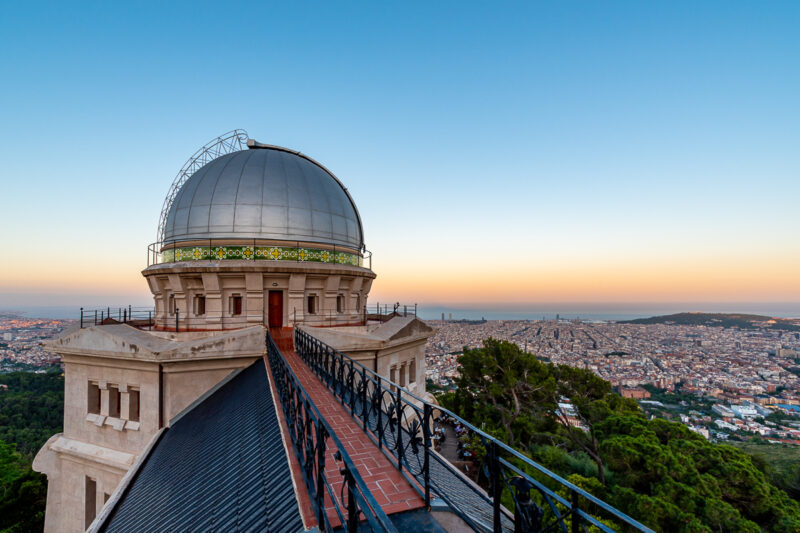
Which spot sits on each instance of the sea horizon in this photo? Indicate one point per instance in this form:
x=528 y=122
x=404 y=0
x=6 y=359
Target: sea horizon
x=535 y=311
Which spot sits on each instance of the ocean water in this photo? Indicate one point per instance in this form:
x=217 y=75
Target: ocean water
x=588 y=311
x=603 y=311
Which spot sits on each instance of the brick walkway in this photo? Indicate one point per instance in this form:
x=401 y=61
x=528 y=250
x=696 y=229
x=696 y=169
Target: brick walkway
x=391 y=490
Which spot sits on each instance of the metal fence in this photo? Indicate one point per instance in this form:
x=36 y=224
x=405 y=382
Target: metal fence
x=310 y=434
x=135 y=316
x=512 y=492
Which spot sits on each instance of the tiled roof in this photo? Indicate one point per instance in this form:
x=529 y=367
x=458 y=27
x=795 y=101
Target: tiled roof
x=220 y=467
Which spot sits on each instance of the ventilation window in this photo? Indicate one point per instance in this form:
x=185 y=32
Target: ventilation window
x=340 y=303
x=133 y=405
x=93 y=400
x=312 y=305
x=90 y=501
x=236 y=304
x=200 y=305
x=113 y=401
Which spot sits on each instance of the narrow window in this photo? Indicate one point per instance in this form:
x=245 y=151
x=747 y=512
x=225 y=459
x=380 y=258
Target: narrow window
x=113 y=401
x=93 y=400
x=312 y=308
x=200 y=305
x=90 y=501
x=402 y=375
x=340 y=303
x=172 y=304
x=236 y=304
x=412 y=371
x=391 y=374
x=133 y=405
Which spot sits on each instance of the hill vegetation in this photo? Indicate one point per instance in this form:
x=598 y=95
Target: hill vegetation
x=657 y=471
x=31 y=411
x=725 y=320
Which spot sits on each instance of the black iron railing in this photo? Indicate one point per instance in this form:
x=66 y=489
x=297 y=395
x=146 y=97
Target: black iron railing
x=310 y=434
x=138 y=316
x=384 y=312
x=400 y=423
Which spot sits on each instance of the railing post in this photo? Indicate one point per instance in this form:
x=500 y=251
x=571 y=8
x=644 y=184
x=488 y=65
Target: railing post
x=576 y=518
x=364 y=411
x=320 y=494
x=380 y=413
x=81 y=317
x=177 y=319
x=426 y=432
x=399 y=430
x=95 y=317
x=352 y=510
x=495 y=485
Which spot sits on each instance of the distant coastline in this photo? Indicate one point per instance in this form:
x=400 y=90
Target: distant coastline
x=548 y=311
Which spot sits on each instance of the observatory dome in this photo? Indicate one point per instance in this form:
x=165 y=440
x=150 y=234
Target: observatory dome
x=264 y=193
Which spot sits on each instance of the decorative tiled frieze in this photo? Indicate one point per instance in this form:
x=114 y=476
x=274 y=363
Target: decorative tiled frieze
x=262 y=253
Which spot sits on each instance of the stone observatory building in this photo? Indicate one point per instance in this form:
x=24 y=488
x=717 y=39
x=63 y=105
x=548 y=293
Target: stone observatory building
x=264 y=235
x=260 y=393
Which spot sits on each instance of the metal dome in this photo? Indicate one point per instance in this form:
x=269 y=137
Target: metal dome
x=264 y=193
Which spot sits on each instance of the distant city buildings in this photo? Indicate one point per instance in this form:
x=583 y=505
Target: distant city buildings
x=747 y=374
x=21 y=346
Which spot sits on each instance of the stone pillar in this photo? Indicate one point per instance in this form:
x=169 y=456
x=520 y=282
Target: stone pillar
x=124 y=402
x=104 y=399
x=214 y=304
x=295 y=294
x=328 y=303
x=254 y=298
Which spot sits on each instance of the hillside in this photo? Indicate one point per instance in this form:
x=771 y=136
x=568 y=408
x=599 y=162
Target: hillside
x=725 y=320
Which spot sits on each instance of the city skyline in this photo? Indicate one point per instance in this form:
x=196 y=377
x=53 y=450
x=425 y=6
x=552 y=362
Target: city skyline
x=533 y=154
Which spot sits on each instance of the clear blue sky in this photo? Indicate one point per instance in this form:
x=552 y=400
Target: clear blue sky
x=606 y=151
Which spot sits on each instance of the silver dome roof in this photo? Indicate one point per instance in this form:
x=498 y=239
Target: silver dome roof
x=264 y=193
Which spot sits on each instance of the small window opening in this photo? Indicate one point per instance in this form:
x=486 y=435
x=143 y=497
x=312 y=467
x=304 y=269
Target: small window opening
x=113 y=401
x=172 y=304
x=93 y=400
x=412 y=371
x=312 y=307
x=133 y=405
x=236 y=304
x=90 y=501
x=340 y=303
x=200 y=305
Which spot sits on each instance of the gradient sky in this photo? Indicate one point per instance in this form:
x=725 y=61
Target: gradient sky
x=498 y=152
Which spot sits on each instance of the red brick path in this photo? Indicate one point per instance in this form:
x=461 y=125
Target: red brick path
x=391 y=490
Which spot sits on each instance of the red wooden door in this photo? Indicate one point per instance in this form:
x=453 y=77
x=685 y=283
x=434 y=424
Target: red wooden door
x=275 y=309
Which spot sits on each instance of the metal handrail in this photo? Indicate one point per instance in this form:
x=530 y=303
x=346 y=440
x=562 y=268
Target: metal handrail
x=155 y=250
x=381 y=403
x=138 y=316
x=309 y=432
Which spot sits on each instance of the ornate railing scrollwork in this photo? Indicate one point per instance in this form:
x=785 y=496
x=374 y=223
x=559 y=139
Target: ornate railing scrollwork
x=511 y=493
x=311 y=436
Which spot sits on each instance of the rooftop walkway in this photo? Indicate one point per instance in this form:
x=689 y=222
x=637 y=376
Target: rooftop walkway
x=391 y=490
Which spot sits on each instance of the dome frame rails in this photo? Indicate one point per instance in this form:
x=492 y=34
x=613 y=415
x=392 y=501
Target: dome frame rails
x=232 y=141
